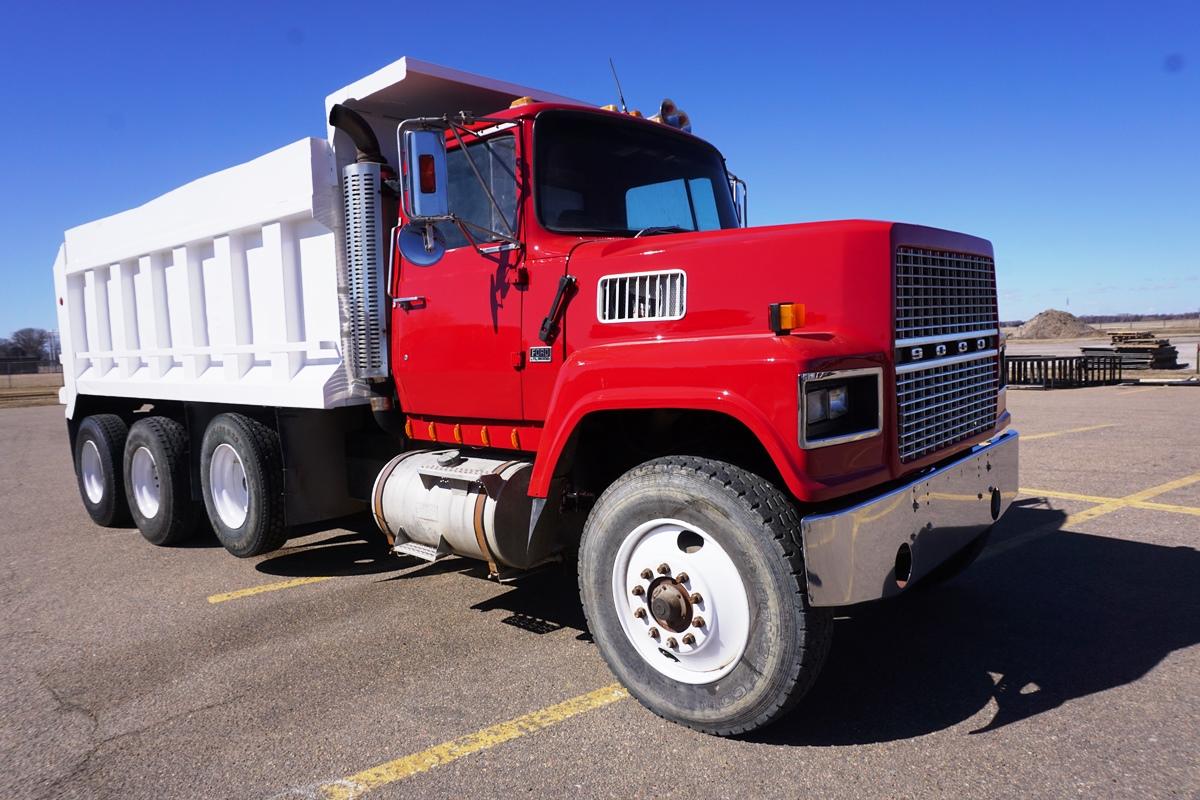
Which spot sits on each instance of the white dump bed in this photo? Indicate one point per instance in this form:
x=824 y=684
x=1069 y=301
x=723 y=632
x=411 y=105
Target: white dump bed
x=224 y=290
x=232 y=289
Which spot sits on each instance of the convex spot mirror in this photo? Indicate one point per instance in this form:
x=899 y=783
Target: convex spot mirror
x=423 y=153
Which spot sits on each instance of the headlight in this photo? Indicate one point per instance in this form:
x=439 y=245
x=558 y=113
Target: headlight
x=840 y=406
x=817 y=405
x=839 y=402
x=823 y=404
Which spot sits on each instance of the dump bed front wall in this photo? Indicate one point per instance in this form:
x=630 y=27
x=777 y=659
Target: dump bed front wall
x=225 y=290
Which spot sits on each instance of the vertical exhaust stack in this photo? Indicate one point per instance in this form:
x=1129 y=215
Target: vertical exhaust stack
x=366 y=247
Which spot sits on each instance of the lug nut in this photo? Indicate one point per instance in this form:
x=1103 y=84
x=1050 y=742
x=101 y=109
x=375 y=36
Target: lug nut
x=639 y=612
x=681 y=578
x=638 y=590
x=647 y=574
x=696 y=598
x=664 y=569
x=689 y=639
x=654 y=633
x=671 y=643
x=698 y=622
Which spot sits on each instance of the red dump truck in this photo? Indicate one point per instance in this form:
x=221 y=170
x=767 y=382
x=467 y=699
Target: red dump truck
x=522 y=329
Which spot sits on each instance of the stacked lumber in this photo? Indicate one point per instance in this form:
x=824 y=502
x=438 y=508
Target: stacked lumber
x=1138 y=350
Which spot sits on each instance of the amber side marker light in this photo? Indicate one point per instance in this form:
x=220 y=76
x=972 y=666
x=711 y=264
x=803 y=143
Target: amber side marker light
x=784 y=317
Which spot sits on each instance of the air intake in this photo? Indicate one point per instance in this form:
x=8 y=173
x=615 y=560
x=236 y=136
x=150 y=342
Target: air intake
x=642 y=296
x=365 y=254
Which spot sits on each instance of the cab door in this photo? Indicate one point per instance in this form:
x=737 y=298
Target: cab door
x=456 y=325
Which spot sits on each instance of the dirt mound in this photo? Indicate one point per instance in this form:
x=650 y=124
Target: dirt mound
x=1055 y=324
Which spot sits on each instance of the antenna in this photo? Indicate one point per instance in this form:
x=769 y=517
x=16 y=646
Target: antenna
x=620 y=94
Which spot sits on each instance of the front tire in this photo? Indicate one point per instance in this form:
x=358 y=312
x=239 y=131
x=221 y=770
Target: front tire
x=241 y=474
x=157 y=481
x=99 y=444
x=737 y=643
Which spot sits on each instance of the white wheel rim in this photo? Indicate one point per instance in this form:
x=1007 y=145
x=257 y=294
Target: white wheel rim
x=143 y=477
x=92 y=471
x=227 y=484
x=719 y=621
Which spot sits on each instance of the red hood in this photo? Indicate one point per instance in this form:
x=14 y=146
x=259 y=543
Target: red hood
x=840 y=271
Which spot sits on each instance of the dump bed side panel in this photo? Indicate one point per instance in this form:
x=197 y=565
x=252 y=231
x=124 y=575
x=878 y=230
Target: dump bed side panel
x=226 y=290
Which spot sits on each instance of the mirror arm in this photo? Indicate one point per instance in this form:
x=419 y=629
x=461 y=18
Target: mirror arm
x=463 y=225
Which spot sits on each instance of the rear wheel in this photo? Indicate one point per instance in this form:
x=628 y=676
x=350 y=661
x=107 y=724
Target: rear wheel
x=241 y=473
x=99 y=444
x=158 y=482
x=692 y=580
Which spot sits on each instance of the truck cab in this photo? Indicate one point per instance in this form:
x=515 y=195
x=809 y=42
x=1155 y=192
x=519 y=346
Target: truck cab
x=514 y=327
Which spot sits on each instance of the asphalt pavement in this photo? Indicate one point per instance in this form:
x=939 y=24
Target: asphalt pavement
x=1065 y=663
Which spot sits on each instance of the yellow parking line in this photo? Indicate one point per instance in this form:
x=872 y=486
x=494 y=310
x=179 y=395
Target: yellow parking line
x=1104 y=505
x=1142 y=389
x=1035 y=436
x=266 y=587
x=1091 y=498
x=1083 y=498
x=1116 y=504
x=392 y=771
x=1168 y=507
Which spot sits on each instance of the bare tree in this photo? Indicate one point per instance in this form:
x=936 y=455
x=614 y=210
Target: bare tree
x=30 y=342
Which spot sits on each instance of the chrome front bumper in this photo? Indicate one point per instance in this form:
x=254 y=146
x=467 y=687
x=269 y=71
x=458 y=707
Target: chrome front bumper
x=851 y=555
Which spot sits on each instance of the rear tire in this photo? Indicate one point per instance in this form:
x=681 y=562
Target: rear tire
x=158 y=481
x=241 y=473
x=99 y=444
x=758 y=645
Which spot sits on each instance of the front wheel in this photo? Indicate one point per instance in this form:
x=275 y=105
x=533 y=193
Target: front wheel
x=692 y=580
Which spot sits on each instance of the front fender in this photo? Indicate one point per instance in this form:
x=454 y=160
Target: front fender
x=751 y=378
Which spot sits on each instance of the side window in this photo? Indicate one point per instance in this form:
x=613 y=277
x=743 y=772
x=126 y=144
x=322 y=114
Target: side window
x=495 y=159
x=689 y=205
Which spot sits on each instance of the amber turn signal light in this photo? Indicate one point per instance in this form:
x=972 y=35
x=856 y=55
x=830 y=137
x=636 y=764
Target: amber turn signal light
x=784 y=317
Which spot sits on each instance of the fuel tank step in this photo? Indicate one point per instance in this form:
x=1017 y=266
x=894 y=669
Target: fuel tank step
x=421 y=551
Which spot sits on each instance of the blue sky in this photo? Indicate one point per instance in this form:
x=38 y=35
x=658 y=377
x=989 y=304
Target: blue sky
x=1068 y=134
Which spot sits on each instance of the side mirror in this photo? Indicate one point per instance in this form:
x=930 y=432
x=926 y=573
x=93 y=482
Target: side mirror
x=425 y=201
x=424 y=154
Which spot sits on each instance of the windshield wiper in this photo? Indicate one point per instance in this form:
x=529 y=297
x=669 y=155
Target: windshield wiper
x=654 y=230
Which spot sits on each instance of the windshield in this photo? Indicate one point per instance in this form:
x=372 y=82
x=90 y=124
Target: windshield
x=596 y=174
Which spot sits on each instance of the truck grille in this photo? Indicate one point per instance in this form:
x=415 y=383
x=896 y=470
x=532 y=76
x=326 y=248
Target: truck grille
x=946 y=310
x=939 y=293
x=945 y=404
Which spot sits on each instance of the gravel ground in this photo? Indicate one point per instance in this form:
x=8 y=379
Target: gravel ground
x=1064 y=663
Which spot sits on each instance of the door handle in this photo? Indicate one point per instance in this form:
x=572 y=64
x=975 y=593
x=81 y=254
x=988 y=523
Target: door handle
x=408 y=303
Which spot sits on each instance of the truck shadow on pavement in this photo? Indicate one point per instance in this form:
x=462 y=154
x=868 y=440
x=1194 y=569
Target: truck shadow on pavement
x=1021 y=632
x=357 y=548
x=1028 y=629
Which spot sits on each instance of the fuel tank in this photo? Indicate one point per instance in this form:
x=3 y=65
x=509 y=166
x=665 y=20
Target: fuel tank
x=450 y=503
